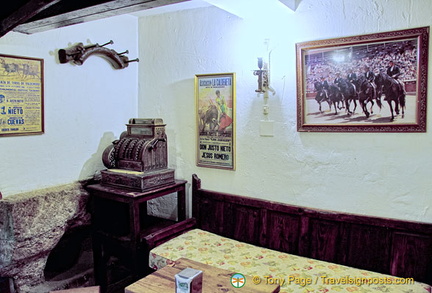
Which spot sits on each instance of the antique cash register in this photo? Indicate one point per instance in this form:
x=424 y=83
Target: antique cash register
x=137 y=172
x=139 y=158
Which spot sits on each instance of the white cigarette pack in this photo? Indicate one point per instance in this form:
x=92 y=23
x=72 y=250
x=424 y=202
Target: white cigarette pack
x=189 y=281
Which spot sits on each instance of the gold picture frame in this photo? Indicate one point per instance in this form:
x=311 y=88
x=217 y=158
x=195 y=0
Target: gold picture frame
x=21 y=95
x=215 y=102
x=327 y=91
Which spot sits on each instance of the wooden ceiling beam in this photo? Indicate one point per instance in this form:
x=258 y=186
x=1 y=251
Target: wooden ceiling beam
x=25 y=12
x=106 y=9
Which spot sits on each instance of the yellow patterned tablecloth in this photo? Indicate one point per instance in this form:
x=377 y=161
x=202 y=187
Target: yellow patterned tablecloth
x=293 y=273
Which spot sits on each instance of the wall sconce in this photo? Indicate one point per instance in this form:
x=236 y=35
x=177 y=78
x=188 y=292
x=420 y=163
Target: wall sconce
x=263 y=78
x=263 y=73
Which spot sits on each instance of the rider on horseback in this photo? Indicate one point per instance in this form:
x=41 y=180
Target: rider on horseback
x=370 y=76
x=338 y=80
x=394 y=72
x=352 y=76
x=322 y=86
x=324 y=83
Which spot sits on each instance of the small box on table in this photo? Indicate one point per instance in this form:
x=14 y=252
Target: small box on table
x=189 y=281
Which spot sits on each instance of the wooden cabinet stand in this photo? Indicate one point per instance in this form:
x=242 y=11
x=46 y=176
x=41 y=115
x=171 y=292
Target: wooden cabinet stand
x=121 y=226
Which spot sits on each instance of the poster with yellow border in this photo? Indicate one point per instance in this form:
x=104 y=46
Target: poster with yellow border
x=215 y=112
x=21 y=96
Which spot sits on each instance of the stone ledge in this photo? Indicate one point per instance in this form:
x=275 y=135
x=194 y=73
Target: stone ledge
x=31 y=225
x=37 y=212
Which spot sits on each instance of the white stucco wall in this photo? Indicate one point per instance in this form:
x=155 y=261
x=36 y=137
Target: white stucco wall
x=378 y=174
x=86 y=107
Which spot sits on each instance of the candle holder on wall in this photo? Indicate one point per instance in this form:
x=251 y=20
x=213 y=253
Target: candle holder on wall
x=79 y=53
x=263 y=77
x=263 y=74
x=264 y=87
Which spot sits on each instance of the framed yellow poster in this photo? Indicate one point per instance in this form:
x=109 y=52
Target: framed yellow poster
x=215 y=113
x=21 y=96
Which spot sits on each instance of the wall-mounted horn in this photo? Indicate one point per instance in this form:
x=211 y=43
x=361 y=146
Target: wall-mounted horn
x=79 y=53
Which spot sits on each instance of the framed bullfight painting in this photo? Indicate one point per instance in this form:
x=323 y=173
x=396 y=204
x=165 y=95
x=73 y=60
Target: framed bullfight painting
x=365 y=83
x=215 y=114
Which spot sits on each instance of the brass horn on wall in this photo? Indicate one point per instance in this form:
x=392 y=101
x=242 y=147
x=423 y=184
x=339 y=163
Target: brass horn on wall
x=79 y=53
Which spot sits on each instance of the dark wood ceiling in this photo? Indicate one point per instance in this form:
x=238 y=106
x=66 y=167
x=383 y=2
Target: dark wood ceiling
x=31 y=16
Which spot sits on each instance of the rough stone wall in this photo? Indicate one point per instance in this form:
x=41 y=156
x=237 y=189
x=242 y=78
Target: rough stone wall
x=31 y=224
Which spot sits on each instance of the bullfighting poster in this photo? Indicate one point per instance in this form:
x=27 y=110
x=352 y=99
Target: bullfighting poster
x=21 y=96
x=215 y=111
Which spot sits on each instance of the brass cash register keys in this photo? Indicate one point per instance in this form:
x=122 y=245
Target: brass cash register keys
x=139 y=158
